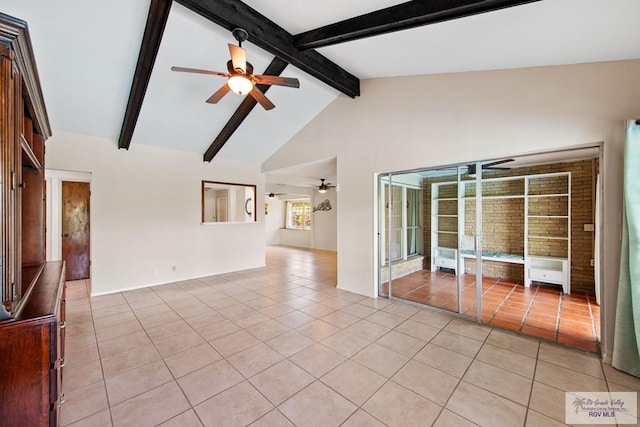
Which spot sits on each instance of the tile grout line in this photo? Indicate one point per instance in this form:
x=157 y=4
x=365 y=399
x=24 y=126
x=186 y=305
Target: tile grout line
x=533 y=381
x=593 y=323
x=558 y=316
x=526 y=315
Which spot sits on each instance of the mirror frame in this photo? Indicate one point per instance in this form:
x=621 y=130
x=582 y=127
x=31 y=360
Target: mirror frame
x=250 y=204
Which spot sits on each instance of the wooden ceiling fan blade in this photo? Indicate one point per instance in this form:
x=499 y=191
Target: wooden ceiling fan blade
x=219 y=94
x=262 y=100
x=238 y=58
x=199 y=71
x=277 y=80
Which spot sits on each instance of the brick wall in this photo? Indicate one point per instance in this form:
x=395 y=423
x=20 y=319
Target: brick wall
x=503 y=219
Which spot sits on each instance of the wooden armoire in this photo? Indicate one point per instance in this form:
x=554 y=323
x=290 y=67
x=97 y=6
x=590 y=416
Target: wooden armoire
x=33 y=305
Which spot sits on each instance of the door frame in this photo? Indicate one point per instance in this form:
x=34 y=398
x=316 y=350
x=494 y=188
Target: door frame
x=54 y=179
x=384 y=185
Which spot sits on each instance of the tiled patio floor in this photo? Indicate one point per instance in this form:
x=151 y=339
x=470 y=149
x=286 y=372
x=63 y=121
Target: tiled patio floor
x=540 y=311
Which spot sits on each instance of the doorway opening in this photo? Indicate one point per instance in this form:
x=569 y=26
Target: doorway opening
x=68 y=221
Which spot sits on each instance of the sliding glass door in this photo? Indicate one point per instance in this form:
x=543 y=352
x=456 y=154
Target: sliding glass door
x=508 y=242
x=425 y=221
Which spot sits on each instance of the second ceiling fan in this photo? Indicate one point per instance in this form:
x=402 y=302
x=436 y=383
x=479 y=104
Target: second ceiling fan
x=323 y=187
x=241 y=79
x=491 y=166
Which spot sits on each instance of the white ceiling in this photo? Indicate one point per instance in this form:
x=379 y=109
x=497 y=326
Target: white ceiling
x=303 y=175
x=86 y=53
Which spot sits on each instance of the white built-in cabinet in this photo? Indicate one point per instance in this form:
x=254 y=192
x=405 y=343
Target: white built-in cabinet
x=547 y=225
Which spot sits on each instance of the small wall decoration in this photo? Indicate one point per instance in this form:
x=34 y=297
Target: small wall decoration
x=324 y=206
x=266 y=208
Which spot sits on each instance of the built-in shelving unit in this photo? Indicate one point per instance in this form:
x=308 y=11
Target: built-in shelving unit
x=547 y=225
x=548 y=229
x=444 y=225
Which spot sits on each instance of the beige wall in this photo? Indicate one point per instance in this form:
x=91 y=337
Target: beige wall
x=415 y=122
x=146 y=213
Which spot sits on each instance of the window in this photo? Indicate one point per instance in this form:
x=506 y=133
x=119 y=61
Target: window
x=413 y=220
x=402 y=227
x=299 y=215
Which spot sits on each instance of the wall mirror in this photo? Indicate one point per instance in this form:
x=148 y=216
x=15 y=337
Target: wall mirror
x=228 y=202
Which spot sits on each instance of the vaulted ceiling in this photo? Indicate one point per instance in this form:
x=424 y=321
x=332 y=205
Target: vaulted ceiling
x=87 y=54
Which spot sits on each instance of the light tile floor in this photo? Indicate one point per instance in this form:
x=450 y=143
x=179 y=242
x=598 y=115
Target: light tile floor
x=281 y=346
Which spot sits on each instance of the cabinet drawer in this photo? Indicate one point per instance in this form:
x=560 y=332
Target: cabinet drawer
x=445 y=262
x=551 y=276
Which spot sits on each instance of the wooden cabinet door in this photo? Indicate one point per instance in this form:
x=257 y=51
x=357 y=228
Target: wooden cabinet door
x=10 y=263
x=75 y=229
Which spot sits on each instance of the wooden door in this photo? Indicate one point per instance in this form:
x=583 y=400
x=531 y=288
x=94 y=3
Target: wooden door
x=75 y=229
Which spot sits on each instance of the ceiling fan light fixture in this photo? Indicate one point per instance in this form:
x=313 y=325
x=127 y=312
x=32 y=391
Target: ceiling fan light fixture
x=240 y=84
x=323 y=187
x=240 y=77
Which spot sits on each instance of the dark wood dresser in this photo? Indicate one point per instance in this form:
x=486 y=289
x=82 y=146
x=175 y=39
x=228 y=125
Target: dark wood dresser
x=32 y=353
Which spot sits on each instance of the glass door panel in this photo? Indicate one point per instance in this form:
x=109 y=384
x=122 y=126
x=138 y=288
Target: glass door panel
x=400 y=228
x=428 y=238
x=444 y=265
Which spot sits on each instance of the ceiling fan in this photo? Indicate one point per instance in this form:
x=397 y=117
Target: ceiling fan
x=241 y=79
x=471 y=168
x=273 y=195
x=323 y=187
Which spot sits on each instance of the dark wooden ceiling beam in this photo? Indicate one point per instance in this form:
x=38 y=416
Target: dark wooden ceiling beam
x=269 y=36
x=275 y=68
x=400 y=17
x=156 y=22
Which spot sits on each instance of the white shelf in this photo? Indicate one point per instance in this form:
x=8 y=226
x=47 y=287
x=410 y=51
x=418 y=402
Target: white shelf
x=513 y=196
x=549 y=237
x=445 y=199
x=448 y=216
x=445 y=232
x=502 y=197
x=539 y=196
x=550 y=216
